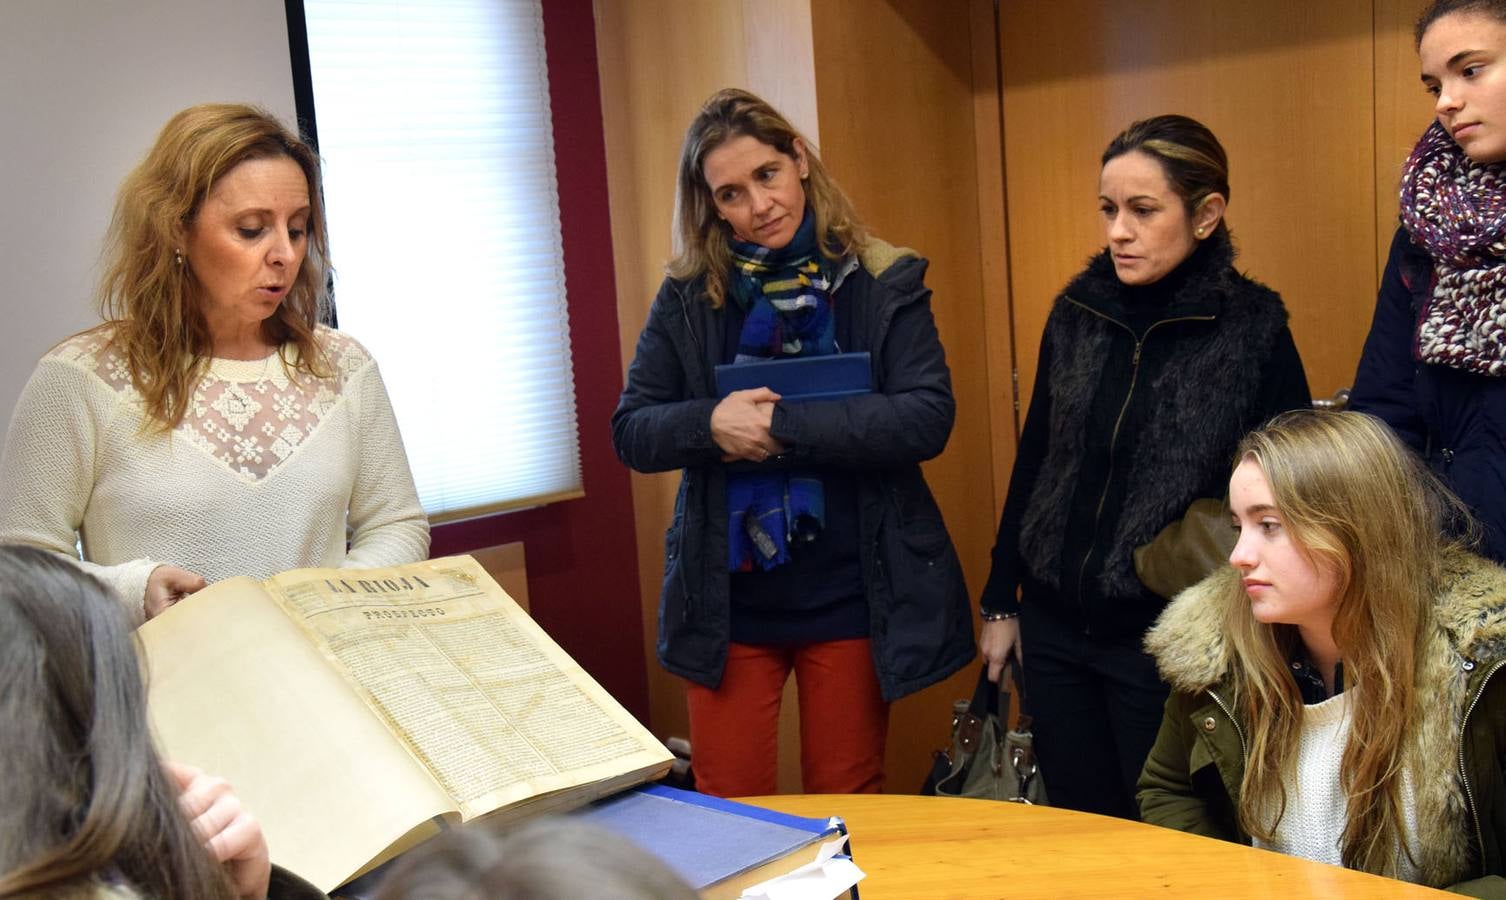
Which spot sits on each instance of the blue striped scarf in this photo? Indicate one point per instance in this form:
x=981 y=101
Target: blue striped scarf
x=786 y=294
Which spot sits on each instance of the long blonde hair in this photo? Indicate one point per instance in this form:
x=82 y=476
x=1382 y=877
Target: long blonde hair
x=699 y=236
x=1362 y=505
x=151 y=301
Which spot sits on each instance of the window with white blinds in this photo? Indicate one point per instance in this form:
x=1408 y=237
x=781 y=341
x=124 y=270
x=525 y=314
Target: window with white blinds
x=434 y=126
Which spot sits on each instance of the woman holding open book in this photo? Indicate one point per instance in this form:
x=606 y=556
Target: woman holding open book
x=804 y=537
x=1337 y=686
x=211 y=426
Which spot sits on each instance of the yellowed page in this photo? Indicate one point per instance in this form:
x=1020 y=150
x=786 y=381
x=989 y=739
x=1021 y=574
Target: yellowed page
x=237 y=690
x=480 y=695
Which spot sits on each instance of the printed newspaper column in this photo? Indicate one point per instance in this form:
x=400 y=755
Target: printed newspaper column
x=461 y=676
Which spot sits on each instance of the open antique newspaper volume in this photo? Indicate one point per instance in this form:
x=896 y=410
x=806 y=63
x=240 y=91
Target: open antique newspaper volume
x=354 y=709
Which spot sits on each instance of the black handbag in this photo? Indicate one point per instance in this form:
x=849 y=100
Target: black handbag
x=987 y=760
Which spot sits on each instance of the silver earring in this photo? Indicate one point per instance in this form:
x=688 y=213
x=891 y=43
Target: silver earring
x=178 y=256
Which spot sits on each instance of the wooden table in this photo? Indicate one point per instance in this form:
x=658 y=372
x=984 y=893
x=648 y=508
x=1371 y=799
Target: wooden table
x=914 y=848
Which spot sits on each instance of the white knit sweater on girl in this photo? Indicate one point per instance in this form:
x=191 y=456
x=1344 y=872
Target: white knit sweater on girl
x=1316 y=806
x=265 y=473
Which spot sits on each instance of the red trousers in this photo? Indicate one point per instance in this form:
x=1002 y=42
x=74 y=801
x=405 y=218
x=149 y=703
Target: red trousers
x=734 y=730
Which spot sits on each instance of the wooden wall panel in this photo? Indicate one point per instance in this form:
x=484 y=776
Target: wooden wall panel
x=898 y=131
x=507 y=564
x=1287 y=87
x=648 y=96
x=993 y=243
x=1402 y=110
x=780 y=51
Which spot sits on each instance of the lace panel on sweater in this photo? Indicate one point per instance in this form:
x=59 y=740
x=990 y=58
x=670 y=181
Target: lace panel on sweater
x=250 y=416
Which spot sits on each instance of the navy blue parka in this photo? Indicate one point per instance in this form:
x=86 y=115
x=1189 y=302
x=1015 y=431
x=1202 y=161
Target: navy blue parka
x=1455 y=419
x=919 y=614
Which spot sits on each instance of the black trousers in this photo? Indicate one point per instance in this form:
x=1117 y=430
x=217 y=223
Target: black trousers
x=1097 y=705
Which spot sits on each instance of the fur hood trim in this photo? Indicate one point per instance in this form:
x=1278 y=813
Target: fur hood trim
x=877 y=256
x=1188 y=640
x=1472 y=610
x=1192 y=652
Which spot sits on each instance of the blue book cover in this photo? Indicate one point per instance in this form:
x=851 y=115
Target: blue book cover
x=800 y=377
x=710 y=841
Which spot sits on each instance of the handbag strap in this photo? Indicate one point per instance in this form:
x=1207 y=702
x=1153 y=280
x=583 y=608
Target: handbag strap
x=994 y=699
x=985 y=700
x=1012 y=674
x=969 y=717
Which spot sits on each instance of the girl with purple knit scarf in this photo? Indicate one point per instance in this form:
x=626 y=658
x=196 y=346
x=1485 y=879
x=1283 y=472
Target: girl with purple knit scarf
x=1434 y=365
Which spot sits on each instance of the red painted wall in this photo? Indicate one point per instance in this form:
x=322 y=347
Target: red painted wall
x=581 y=554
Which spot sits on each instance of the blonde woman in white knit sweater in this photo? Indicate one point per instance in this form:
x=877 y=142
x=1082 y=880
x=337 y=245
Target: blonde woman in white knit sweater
x=1335 y=689
x=211 y=427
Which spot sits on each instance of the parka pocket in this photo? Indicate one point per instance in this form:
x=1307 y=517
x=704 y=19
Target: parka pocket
x=917 y=517
x=672 y=544
x=926 y=540
x=925 y=609
x=673 y=598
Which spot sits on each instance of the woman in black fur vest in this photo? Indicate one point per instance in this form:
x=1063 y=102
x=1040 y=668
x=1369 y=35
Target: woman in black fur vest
x=1155 y=362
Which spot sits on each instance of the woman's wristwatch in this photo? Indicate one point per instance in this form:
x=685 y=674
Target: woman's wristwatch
x=997 y=616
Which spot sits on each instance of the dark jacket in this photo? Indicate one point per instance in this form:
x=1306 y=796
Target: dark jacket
x=1192 y=778
x=919 y=616
x=1456 y=420
x=1140 y=397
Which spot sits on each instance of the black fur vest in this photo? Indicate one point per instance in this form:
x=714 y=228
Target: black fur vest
x=1190 y=390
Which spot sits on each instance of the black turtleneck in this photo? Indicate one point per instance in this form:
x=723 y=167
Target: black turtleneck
x=1140 y=306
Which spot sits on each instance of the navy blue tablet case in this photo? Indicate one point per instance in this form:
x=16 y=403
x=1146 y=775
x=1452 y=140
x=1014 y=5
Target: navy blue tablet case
x=800 y=377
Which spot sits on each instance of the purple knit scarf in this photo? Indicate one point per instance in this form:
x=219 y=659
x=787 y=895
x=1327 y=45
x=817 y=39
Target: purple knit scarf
x=1455 y=209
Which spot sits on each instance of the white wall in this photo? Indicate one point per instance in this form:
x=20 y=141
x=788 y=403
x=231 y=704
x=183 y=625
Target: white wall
x=84 y=87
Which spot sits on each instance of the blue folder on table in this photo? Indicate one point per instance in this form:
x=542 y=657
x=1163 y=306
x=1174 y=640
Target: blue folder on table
x=718 y=846
x=800 y=377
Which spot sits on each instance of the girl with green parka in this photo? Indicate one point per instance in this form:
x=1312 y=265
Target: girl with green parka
x=1336 y=693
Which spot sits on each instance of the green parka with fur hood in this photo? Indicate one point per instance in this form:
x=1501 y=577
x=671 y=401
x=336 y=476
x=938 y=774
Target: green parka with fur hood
x=1192 y=777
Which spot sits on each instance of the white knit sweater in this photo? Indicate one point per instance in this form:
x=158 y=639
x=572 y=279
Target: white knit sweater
x=1317 y=807
x=265 y=473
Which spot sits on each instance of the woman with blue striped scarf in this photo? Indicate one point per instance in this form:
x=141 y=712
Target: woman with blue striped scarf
x=804 y=537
